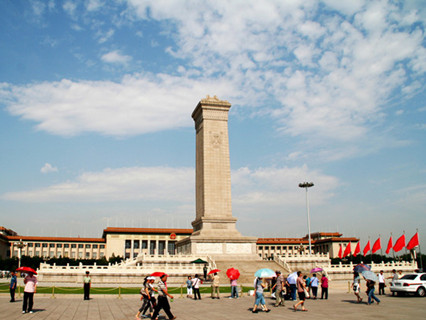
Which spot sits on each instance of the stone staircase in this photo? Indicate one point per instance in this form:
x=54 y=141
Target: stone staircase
x=247 y=269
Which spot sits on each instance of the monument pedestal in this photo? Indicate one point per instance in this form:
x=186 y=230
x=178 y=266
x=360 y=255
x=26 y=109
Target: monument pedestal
x=239 y=248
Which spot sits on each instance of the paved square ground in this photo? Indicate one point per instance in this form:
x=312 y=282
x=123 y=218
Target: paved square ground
x=339 y=306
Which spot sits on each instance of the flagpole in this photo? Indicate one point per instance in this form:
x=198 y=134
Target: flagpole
x=420 y=252
x=393 y=250
x=371 y=252
x=381 y=249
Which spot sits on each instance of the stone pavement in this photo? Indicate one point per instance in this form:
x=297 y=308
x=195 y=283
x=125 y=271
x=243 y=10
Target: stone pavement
x=340 y=305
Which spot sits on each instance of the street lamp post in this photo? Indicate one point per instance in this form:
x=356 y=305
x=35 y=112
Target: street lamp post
x=307 y=185
x=20 y=245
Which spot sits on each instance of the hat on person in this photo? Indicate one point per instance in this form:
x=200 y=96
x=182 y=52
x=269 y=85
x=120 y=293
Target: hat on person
x=150 y=278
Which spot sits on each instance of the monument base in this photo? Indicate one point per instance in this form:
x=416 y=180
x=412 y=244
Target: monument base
x=241 y=248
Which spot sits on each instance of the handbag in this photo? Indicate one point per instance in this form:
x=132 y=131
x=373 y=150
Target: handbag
x=306 y=293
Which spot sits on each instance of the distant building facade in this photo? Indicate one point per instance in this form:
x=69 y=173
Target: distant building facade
x=130 y=242
x=321 y=242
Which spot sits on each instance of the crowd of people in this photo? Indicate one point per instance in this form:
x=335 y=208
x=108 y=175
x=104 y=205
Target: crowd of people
x=371 y=286
x=305 y=286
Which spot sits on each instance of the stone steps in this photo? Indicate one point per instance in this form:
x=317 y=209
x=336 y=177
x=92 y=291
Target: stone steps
x=247 y=269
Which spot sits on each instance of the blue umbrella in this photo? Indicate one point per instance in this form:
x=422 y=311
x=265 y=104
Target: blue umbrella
x=370 y=275
x=265 y=273
x=362 y=267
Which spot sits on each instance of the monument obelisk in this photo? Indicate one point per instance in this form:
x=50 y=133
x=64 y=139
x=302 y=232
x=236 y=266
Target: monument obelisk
x=215 y=231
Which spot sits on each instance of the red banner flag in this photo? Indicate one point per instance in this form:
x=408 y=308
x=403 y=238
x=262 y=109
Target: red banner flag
x=340 y=252
x=388 y=249
x=367 y=248
x=414 y=242
x=399 y=244
x=347 y=250
x=357 y=249
x=376 y=246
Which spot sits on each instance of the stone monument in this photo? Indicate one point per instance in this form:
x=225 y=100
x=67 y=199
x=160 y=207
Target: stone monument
x=215 y=232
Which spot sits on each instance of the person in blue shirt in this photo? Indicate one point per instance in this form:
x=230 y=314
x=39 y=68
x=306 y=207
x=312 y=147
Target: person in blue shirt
x=12 y=287
x=314 y=286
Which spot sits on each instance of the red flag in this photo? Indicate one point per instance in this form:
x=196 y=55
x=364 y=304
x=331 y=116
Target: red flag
x=377 y=245
x=389 y=245
x=340 y=252
x=414 y=242
x=347 y=250
x=399 y=244
x=367 y=248
x=357 y=249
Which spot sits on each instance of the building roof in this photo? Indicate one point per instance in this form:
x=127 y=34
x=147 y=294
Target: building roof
x=324 y=235
x=281 y=241
x=348 y=239
x=54 y=239
x=146 y=231
x=6 y=231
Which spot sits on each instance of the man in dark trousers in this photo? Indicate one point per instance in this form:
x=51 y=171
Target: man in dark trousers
x=162 y=302
x=87 y=281
x=12 y=287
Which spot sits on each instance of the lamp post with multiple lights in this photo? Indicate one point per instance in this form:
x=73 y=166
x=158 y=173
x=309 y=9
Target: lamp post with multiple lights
x=20 y=246
x=307 y=185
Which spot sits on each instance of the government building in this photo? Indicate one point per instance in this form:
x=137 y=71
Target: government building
x=131 y=242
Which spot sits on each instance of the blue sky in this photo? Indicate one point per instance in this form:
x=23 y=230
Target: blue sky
x=97 y=96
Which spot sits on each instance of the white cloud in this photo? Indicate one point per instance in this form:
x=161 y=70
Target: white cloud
x=124 y=184
x=70 y=7
x=272 y=187
x=332 y=75
x=262 y=188
x=38 y=7
x=114 y=54
x=93 y=5
x=139 y=104
x=48 y=168
x=116 y=57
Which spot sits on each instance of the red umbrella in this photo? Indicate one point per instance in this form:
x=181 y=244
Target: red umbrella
x=157 y=274
x=233 y=274
x=213 y=271
x=26 y=269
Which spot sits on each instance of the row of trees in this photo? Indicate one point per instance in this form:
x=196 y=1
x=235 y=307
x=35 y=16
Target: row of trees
x=11 y=264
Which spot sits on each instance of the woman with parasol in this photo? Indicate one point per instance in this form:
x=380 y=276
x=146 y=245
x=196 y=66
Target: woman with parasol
x=30 y=282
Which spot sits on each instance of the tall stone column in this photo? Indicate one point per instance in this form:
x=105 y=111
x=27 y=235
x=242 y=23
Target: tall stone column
x=213 y=170
x=215 y=231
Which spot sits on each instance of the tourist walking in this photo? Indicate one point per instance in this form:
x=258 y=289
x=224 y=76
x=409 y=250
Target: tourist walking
x=189 y=287
x=148 y=300
x=279 y=289
x=30 y=282
x=324 y=287
x=86 y=285
x=356 y=286
x=163 y=302
x=308 y=284
x=314 y=286
x=215 y=286
x=234 y=289
x=12 y=286
x=293 y=288
x=394 y=277
x=196 y=287
x=381 y=283
x=260 y=299
x=301 y=287
x=370 y=292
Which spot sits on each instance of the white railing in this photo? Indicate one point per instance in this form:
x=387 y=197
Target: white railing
x=376 y=267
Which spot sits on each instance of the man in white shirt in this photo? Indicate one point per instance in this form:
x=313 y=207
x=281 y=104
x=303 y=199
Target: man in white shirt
x=381 y=283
